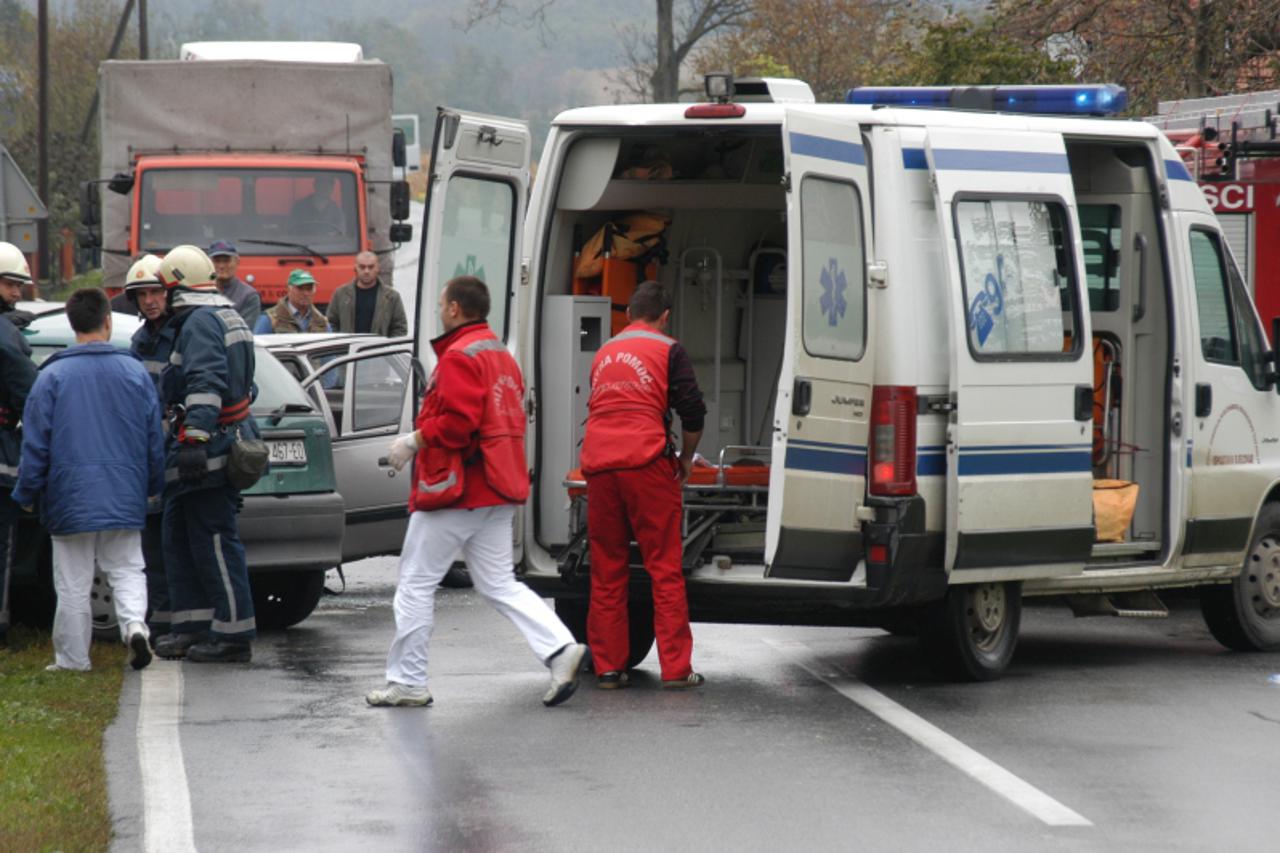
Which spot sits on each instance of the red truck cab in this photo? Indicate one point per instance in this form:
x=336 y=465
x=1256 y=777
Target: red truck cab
x=283 y=212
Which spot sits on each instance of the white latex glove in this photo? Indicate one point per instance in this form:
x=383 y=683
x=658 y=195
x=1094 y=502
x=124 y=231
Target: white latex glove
x=402 y=450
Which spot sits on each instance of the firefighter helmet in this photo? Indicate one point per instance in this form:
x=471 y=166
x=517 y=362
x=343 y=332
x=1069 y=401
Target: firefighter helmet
x=143 y=274
x=186 y=266
x=13 y=264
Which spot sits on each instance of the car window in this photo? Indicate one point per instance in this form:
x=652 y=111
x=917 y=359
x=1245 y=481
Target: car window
x=40 y=352
x=276 y=385
x=379 y=386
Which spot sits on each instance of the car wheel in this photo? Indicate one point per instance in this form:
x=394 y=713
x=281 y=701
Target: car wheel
x=457 y=577
x=971 y=634
x=102 y=608
x=1244 y=615
x=283 y=599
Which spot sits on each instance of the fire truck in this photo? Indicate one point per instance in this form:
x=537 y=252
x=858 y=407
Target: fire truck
x=1229 y=145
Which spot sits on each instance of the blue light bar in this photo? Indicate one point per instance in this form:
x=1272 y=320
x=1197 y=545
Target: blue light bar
x=1099 y=99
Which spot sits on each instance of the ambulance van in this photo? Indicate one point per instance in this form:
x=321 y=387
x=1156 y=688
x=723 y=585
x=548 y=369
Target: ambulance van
x=959 y=348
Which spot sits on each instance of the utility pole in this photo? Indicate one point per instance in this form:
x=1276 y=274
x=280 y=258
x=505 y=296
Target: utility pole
x=142 y=30
x=42 y=130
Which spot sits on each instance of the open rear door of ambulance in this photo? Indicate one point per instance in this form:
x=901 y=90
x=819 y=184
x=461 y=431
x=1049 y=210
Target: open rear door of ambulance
x=819 y=455
x=479 y=184
x=1019 y=445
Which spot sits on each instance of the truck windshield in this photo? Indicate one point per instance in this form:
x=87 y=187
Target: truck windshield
x=315 y=208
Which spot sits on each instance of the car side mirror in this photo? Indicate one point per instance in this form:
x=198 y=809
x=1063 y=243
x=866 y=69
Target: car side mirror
x=399 y=200
x=398 y=157
x=401 y=232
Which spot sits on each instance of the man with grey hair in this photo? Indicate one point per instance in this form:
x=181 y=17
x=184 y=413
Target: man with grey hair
x=366 y=304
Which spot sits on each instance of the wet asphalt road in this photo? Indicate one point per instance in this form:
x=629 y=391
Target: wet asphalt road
x=1147 y=729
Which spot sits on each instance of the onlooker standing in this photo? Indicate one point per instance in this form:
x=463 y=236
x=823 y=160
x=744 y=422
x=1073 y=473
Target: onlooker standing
x=366 y=304
x=226 y=260
x=92 y=483
x=207 y=388
x=473 y=412
x=294 y=313
x=633 y=486
x=17 y=373
x=152 y=343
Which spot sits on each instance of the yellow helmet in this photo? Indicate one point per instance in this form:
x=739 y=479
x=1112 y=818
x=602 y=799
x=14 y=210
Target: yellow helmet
x=186 y=266
x=143 y=274
x=13 y=264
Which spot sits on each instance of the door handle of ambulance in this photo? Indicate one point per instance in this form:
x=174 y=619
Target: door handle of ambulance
x=1204 y=399
x=1084 y=402
x=1140 y=303
x=801 y=397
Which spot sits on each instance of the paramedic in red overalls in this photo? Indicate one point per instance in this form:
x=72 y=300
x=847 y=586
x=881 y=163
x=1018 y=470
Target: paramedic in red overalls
x=633 y=486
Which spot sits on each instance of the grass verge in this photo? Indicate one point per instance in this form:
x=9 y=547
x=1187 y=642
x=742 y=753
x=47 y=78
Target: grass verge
x=53 y=785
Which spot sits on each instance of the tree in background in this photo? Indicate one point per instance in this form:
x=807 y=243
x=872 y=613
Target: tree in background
x=963 y=51
x=1158 y=49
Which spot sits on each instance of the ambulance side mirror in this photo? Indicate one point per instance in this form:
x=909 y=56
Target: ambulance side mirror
x=878 y=274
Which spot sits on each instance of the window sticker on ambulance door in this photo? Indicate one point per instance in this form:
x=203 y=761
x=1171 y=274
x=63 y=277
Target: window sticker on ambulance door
x=834 y=269
x=1018 y=278
x=479 y=218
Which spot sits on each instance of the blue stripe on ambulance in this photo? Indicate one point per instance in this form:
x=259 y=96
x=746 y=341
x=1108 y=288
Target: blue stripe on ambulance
x=1176 y=170
x=968 y=160
x=828 y=149
x=827 y=458
x=931 y=460
x=1025 y=459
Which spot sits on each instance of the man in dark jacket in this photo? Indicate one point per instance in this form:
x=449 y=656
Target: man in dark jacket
x=206 y=388
x=243 y=298
x=93 y=483
x=17 y=373
x=152 y=343
x=366 y=304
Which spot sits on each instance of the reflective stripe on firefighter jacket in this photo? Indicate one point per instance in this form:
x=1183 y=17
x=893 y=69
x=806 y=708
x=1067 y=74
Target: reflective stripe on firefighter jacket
x=627 y=410
x=210 y=372
x=474 y=406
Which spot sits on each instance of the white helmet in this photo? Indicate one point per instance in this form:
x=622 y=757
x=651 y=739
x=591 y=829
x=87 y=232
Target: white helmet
x=13 y=264
x=143 y=274
x=186 y=266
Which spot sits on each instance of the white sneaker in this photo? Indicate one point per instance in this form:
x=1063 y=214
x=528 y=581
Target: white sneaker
x=139 y=645
x=399 y=694
x=565 y=666
x=53 y=667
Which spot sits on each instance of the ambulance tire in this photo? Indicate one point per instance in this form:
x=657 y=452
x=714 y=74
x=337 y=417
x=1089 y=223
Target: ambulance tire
x=1244 y=615
x=971 y=634
x=283 y=599
x=573 y=613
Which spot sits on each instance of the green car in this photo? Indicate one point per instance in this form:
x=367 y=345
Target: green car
x=292 y=522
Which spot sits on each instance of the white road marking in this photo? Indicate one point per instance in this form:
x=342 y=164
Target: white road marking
x=166 y=801
x=1022 y=794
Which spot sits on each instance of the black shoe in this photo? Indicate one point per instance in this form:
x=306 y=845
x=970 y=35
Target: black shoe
x=613 y=680
x=220 y=651
x=175 y=646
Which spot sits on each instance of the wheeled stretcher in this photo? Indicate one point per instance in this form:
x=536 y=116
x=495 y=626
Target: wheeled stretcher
x=723 y=514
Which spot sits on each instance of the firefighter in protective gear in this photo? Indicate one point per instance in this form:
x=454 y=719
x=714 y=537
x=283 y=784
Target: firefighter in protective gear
x=469 y=477
x=206 y=388
x=17 y=374
x=152 y=344
x=634 y=486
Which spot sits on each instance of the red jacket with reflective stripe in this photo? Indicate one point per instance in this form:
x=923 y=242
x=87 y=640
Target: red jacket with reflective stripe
x=627 y=410
x=475 y=404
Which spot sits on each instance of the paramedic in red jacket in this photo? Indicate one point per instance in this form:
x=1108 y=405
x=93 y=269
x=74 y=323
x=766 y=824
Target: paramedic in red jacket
x=633 y=486
x=469 y=477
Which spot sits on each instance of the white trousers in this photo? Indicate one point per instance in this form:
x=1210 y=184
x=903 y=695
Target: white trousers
x=431 y=544
x=119 y=553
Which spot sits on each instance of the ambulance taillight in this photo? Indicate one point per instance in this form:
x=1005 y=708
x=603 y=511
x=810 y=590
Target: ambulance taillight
x=893 y=440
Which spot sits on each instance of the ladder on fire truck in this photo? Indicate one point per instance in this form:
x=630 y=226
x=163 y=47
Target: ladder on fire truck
x=1213 y=134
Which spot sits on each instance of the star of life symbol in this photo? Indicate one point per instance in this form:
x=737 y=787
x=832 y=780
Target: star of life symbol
x=469 y=268
x=834 y=284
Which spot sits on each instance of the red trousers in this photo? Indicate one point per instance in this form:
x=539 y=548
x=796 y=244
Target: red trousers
x=647 y=502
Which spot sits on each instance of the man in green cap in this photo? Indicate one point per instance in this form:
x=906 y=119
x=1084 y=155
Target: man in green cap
x=294 y=313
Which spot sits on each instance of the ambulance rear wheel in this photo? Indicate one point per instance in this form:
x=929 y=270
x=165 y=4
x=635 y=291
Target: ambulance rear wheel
x=573 y=613
x=1244 y=615
x=971 y=634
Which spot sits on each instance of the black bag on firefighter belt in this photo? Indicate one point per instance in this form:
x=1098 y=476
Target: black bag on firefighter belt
x=247 y=462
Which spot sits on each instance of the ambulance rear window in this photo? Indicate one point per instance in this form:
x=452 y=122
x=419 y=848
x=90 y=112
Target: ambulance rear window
x=1100 y=241
x=1019 y=281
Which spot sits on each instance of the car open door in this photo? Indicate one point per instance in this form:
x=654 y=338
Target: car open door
x=1019 y=445
x=370 y=397
x=474 y=217
x=817 y=478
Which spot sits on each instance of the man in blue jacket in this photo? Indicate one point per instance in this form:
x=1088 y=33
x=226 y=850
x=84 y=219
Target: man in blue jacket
x=207 y=389
x=90 y=457
x=17 y=372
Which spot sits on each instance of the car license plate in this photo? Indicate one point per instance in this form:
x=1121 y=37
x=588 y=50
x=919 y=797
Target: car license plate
x=288 y=452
